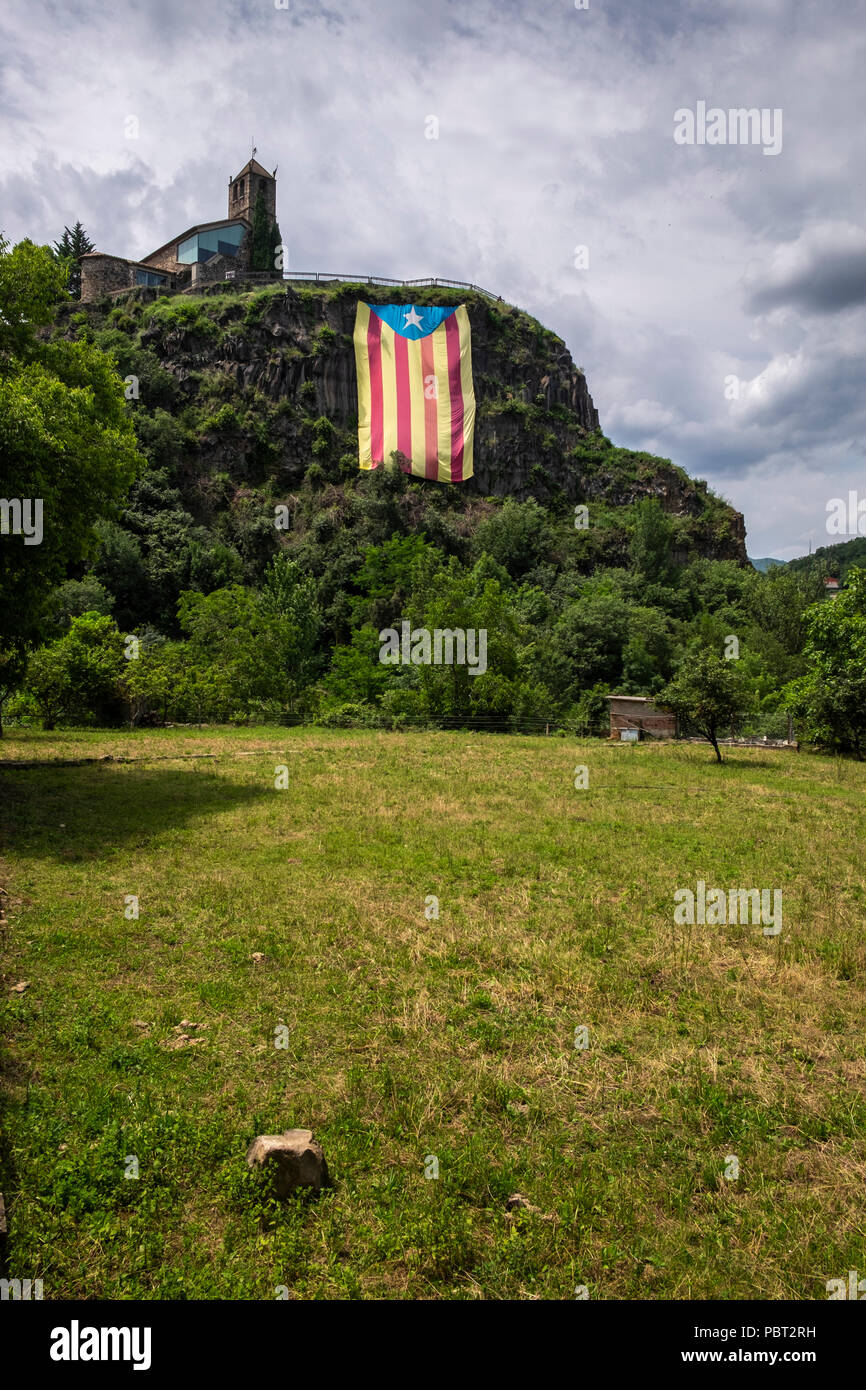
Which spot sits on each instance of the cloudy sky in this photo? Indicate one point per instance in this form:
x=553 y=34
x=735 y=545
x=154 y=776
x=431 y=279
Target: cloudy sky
x=718 y=305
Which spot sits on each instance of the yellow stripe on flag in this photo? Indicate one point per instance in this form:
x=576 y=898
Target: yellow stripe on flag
x=416 y=396
x=362 y=363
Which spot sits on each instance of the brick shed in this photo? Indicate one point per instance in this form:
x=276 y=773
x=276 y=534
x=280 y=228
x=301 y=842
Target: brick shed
x=638 y=712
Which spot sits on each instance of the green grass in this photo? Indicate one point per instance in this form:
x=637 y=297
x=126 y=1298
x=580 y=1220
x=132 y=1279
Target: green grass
x=411 y=1037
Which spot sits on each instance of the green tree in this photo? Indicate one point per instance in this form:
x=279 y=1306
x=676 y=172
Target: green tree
x=275 y=246
x=69 y=250
x=120 y=568
x=13 y=664
x=356 y=675
x=586 y=644
x=707 y=694
x=261 y=652
x=518 y=535
x=66 y=441
x=457 y=600
x=646 y=656
x=74 y=598
x=81 y=675
x=261 y=257
x=650 y=549
x=289 y=595
x=159 y=683
x=831 y=697
x=32 y=284
x=387 y=578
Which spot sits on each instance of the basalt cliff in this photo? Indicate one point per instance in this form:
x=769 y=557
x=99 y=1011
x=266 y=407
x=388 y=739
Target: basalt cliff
x=261 y=387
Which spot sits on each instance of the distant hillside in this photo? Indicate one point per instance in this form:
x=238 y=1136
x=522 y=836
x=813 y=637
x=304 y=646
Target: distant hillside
x=766 y=564
x=832 y=559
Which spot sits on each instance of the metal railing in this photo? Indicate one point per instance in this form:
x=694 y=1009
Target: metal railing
x=324 y=277
x=315 y=277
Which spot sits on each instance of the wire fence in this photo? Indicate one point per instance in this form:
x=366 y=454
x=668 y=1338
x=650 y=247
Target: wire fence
x=775 y=729
x=771 y=729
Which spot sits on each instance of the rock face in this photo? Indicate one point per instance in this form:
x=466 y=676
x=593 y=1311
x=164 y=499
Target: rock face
x=294 y=1157
x=283 y=363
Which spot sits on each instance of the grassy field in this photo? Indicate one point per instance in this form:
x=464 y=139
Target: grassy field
x=412 y=1038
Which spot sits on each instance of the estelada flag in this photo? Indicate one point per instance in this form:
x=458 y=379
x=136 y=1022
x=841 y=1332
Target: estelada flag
x=415 y=390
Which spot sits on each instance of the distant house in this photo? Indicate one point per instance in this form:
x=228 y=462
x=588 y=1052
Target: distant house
x=206 y=251
x=636 y=717
x=832 y=587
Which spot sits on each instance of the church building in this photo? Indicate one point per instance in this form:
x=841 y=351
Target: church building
x=199 y=254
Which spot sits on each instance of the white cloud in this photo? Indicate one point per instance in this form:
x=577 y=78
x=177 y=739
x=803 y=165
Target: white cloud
x=555 y=131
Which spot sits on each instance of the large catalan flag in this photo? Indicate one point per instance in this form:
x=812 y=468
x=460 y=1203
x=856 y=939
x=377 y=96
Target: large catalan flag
x=415 y=391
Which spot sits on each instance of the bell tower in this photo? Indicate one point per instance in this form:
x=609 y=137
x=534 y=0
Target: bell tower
x=244 y=189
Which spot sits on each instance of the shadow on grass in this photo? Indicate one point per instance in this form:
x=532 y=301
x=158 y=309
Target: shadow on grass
x=774 y=764
x=75 y=813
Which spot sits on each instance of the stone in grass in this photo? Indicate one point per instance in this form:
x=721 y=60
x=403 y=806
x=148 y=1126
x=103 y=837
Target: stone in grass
x=294 y=1157
x=517 y=1202
x=518 y=1206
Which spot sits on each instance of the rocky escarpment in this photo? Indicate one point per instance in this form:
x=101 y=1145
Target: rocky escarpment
x=269 y=376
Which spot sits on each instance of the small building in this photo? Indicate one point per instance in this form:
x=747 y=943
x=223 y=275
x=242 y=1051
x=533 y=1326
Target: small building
x=636 y=717
x=832 y=587
x=200 y=253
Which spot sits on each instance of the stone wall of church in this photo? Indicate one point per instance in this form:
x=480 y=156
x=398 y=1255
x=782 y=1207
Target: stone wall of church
x=100 y=274
x=164 y=260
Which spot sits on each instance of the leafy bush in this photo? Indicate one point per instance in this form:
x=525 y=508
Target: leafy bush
x=349 y=716
x=79 y=678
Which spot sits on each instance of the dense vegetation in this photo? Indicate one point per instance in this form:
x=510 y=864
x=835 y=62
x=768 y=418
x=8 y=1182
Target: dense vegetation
x=836 y=560
x=249 y=592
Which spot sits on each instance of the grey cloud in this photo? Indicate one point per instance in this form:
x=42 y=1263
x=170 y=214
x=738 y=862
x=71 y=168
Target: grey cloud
x=828 y=280
x=556 y=130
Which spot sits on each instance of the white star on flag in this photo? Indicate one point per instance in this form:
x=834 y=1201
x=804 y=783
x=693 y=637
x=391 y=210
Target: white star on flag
x=412 y=319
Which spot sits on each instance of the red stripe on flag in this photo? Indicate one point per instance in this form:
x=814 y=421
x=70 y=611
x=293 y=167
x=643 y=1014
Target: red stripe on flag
x=377 y=409
x=455 y=387
x=431 y=409
x=404 y=399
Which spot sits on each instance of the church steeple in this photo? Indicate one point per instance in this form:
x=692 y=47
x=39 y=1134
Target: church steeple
x=244 y=189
